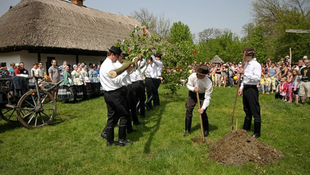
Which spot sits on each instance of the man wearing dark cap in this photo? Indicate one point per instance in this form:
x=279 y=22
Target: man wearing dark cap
x=198 y=82
x=114 y=97
x=251 y=76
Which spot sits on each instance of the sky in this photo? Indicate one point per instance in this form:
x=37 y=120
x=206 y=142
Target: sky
x=197 y=14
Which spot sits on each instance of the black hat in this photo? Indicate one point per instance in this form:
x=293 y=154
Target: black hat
x=202 y=70
x=158 y=55
x=115 y=50
x=248 y=51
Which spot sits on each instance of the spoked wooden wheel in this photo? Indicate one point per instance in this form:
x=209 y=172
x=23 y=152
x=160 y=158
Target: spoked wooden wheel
x=32 y=112
x=8 y=113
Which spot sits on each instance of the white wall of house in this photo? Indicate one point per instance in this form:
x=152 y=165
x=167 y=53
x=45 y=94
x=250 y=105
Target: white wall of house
x=9 y=57
x=30 y=58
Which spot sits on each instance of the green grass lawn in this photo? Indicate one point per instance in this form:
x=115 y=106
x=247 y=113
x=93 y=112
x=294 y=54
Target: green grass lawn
x=72 y=144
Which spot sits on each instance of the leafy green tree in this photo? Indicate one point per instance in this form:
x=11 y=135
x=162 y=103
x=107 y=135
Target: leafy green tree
x=179 y=32
x=275 y=17
x=175 y=57
x=222 y=43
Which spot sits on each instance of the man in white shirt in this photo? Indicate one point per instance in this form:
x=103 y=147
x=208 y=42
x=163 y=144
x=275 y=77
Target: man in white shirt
x=149 y=84
x=198 y=82
x=251 y=76
x=115 y=97
x=158 y=67
x=138 y=85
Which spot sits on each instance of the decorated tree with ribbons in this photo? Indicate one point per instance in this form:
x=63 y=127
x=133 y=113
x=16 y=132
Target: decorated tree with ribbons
x=176 y=57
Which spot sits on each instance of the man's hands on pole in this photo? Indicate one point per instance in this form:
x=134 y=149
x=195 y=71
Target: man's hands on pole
x=240 y=71
x=200 y=110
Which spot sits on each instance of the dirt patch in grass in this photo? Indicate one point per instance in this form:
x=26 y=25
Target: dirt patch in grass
x=238 y=148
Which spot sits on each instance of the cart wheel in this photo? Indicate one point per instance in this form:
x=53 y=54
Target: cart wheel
x=33 y=113
x=8 y=114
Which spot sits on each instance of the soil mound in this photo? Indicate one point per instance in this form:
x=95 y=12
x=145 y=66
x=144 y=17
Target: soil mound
x=238 y=148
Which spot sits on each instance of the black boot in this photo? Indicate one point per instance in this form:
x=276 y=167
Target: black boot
x=110 y=135
x=257 y=126
x=122 y=136
x=206 y=128
x=247 y=124
x=104 y=133
x=188 y=125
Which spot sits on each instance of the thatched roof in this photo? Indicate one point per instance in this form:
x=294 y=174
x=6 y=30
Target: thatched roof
x=59 y=24
x=216 y=59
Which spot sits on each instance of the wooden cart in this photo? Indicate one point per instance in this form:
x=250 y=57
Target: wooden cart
x=34 y=108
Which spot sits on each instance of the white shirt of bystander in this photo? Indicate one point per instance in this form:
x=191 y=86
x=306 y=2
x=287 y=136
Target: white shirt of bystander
x=252 y=73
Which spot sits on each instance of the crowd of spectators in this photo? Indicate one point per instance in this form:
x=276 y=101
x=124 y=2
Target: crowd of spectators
x=279 y=78
x=78 y=81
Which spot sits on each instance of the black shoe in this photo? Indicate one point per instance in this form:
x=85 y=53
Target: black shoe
x=144 y=116
x=110 y=143
x=124 y=142
x=139 y=123
x=131 y=130
x=256 y=135
x=148 y=108
x=206 y=133
x=186 y=133
x=104 y=135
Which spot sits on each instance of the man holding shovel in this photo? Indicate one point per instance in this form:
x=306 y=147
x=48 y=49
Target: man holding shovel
x=251 y=76
x=198 y=83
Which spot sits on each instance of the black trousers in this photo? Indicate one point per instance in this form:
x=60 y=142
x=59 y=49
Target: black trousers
x=117 y=108
x=156 y=83
x=131 y=102
x=150 y=91
x=139 y=89
x=190 y=105
x=251 y=105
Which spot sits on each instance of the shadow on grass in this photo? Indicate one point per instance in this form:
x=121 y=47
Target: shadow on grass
x=158 y=111
x=62 y=118
x=211 y=127
x=9 y=126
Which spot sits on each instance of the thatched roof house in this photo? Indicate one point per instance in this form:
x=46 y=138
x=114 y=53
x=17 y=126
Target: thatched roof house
x=61 y=27
x=216 y=59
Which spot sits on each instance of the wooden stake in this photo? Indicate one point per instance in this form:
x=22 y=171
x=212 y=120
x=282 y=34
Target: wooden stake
x=202 y=134
x=236 y=124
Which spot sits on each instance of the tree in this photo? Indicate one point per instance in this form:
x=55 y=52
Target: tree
x=221 y=42
x=275 y=17
x=159 y=24
x=175 y=57
x=180 y=32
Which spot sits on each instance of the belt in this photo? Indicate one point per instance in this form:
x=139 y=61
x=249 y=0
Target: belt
x=249 y=86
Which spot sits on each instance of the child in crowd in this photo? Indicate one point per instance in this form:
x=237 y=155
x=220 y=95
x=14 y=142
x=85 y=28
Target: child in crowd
x=290 y=80
x=296 y=84
x=262 y=83
x=283 y=90
x=267 y=83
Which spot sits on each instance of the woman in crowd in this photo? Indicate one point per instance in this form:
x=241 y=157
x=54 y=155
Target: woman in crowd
x=77 y=81
x=65 y=91
x=296 y=81
x=218 y=72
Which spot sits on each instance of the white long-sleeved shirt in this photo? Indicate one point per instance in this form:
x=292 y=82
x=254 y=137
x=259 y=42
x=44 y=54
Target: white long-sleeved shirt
x=252 y=73
x=137 y=74
x=107 y=83
x=126 y=81
x=204 y=85
x=158 y=67
x=149 y=72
